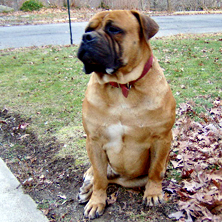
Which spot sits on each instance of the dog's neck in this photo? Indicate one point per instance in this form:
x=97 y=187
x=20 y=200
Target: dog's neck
x=126 y=87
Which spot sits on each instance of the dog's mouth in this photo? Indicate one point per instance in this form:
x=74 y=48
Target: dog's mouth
x=98 y=55
x=94 y=63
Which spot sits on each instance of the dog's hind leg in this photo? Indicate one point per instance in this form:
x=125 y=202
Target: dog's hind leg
x=86 y=189
x=130 y=183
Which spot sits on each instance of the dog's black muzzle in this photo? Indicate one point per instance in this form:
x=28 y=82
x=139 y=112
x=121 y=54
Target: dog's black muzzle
x=98 y=53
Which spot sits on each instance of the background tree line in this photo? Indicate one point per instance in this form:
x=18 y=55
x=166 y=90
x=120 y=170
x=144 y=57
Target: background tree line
x=152 y=5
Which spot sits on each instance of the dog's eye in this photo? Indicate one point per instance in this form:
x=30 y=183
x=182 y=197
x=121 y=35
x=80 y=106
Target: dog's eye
x=113 y=30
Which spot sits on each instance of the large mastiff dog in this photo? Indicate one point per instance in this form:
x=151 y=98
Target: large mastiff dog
x=128 y=110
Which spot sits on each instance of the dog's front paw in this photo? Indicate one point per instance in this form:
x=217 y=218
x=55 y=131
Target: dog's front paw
x=153 y=200
x=94 y=209
x=153 y=195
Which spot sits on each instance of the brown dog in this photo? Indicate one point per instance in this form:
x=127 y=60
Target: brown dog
x=128 y=110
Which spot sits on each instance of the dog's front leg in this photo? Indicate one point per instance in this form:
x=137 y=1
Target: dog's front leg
x=96 y=205
x=159 y=157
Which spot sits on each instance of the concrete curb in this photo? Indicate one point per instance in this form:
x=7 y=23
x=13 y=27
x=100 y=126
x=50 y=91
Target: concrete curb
x=15 y=206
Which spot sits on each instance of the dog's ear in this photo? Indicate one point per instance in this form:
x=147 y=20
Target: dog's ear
x=148 y=26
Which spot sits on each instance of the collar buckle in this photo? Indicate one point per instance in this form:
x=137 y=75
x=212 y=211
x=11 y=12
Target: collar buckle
x=128 y=85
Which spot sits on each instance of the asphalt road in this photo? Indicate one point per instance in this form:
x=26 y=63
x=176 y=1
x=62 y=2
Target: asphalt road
x=58 y=34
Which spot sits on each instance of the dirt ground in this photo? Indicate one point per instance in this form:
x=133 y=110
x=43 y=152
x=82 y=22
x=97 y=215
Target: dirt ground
x=54 y=182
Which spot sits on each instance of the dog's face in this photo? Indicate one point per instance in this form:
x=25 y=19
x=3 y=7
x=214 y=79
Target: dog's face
x=114 y=40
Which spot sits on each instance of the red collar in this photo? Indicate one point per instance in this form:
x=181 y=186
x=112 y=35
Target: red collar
x=126 y=87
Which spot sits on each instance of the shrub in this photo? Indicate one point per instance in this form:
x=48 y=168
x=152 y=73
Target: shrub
x=31 y=5
x=103 y=5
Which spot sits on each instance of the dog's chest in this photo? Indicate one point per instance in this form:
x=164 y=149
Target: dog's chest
x=119 y=124
x=115 y=134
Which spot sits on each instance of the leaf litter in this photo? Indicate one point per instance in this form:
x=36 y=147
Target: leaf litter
x=197 y=155
x=193 y=183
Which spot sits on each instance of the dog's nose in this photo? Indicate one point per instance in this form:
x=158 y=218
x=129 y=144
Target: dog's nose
x=89 y=37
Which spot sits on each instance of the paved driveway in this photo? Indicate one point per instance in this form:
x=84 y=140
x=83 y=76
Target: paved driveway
x=58 y=34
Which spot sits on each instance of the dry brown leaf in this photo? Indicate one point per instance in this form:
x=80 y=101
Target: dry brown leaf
x=177 y=215
x=112 y=198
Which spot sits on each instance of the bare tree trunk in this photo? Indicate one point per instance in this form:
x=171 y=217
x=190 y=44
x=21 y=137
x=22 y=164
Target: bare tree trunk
x=16 y=6
x=145 y=4
x=202 y=4
x=169 y=6
x=154 y=4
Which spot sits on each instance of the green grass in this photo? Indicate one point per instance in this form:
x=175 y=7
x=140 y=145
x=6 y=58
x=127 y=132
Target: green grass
x=48 y=85
x=193 y=67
